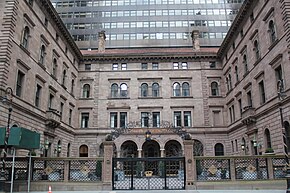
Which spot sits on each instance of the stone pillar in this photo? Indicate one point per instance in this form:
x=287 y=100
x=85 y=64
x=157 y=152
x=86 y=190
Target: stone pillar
x=101 y=41
x=189 y=164
x=66 y=170
x=162 y=151
x=107 y=165
x=139 y=153
x=195 y=39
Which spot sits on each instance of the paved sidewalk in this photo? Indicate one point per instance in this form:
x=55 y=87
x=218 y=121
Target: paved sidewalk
x=172 y=191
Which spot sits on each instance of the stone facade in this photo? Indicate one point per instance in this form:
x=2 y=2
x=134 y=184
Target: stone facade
x=78 y=87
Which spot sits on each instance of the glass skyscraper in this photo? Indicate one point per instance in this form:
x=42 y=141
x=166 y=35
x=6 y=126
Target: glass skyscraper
x=147 y=23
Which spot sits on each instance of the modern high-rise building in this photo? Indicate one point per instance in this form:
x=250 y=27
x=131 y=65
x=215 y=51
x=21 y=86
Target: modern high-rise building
x=147 y=23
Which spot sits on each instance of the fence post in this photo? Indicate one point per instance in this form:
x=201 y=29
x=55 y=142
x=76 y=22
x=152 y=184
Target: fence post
x=66 y=170
x=270 y=168
x=233 y=169
x=189 y=164
x=107 y=164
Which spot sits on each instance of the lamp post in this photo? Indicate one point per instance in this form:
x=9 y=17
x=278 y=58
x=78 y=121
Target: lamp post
x=281 y=96
x=148 y=136
x=6 y=99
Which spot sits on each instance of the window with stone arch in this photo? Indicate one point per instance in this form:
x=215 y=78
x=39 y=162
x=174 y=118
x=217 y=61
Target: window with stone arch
x=155 y=89
x=123 y=90
x=63 y=77
x=245 y=63
x=114 y=90
x=176 y=89
x=185 y=89
x=42 y=55
x=214 y=89
x=26 y=34
x=267 y=138
x=219 y=149
x=272 y=31
x=83 y=151
x=86 y=91
x=257 y=49
x=144 y=89
x=197 y=148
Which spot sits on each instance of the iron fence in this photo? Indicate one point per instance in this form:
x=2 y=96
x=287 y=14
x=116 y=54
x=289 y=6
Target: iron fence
x=85 y=170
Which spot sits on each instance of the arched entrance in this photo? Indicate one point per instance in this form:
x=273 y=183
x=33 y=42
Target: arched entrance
x=129 y=149
x=173 y=149
x=151 y=149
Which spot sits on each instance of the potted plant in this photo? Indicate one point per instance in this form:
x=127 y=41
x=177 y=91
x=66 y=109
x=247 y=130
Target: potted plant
x=161 y=169
x=139 y=169
x=269 y=150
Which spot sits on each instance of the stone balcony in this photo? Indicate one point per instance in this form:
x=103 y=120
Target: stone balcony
x=248 y=115
x=52 y=118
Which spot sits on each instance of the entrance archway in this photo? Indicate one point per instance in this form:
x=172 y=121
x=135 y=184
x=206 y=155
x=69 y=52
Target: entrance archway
x=151 y=149
x=173 y=149
x=129 y=149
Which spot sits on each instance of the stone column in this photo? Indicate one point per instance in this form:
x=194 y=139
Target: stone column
x=162 y=151
x=107 y=165
x=139 y=153
x=189 y=164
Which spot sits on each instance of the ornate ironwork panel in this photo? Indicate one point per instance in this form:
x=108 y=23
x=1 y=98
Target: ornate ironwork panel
x=85 y=170
x=213 y=169
x=279 y=168
x=148 y=173
x=51 y=170
x=253 y=168
x=20 y=168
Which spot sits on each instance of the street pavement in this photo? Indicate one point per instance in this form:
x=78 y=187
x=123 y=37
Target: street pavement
x=172 y=191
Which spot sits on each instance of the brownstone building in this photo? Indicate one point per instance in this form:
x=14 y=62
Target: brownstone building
x=225 y=98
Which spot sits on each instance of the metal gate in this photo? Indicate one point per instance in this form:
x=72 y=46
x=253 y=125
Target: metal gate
x=149 y=173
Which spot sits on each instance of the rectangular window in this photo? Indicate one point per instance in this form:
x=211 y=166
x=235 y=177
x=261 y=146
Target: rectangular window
x=156 y=119
x=155 y=66
x=177 y=118
x=233 y=149
x=187 y=119
x=249 y=98
x=175 y=65
x=123 y=119
x=184 y=65
x=124 y=66
x=85 y=120
x=70 y=117
x=144 y=66
x=61 y=110
x=115 y=66
x=237 y=148
x=87 y=67
x=37 y=95
x=262 y=92
x=240 y=107
x=216 y=118
x=113 y=120
x=144 y=119
x=50 y=101
x=212 y=64
x=19 y=83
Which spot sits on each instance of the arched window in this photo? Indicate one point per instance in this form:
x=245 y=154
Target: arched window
x=83 y=151
x=176 y=89
x=123 y=90
x=197 y=148
x=257 y=49
x=287 y=130
x=114 y=90
x=237 y=74
x=245 y=63
x=219 y=149
x=267 y=139
x=230 y=81
x=272 y=31
x=25 y=37
x=155 y=89
x=185 y=89
x=86 y=91
x=54 y=67
x=227 y=82
x=214 y=89
x=144 y=90
x=42 y=54
x=58 y=148
x=63 y=77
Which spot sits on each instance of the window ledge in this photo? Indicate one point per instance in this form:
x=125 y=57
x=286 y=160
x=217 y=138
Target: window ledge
x=246 y=73
x=182 y=97
x=24 y=49
x=53 y=77
x=118 y=98
x=86 y=98
x=41 y=65
x=63 y=86
x=273 y=44
x=149 y=97
x=215 y=96
x=257 y=61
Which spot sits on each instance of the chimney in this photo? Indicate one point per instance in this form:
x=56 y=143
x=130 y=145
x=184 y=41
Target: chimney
x=195 y=39
x=102 y=41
